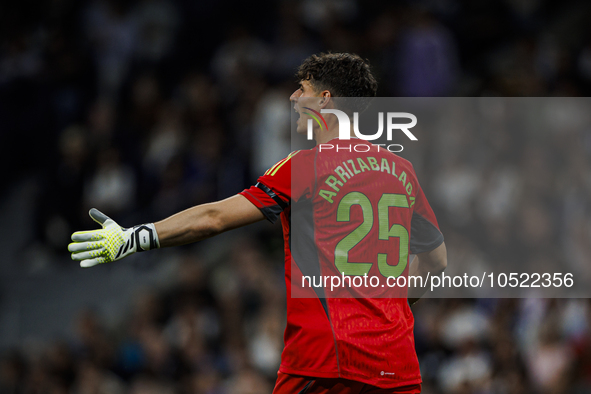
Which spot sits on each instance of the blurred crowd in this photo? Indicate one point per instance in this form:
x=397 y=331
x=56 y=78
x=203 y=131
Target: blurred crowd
x=217 y=329
x=212 y=330
x=142 y=108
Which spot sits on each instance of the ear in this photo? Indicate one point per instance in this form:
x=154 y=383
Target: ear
x=325 y=99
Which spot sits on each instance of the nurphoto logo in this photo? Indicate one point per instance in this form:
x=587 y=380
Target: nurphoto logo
x=345 y=124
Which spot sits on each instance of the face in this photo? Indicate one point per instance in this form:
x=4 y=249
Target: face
x=304 y=96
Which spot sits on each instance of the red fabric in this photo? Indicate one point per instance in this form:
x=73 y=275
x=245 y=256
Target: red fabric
x=368 y=340
x=293 y=384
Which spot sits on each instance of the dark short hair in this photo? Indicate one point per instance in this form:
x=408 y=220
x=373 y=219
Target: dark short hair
x=343 y=74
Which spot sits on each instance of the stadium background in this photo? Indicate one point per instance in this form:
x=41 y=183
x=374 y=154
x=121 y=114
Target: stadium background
x=142 y=108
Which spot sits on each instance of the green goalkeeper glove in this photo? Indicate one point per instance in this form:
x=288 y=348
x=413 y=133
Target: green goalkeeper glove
x=112 y=242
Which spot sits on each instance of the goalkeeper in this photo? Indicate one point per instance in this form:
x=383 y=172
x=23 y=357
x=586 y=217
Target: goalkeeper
x=332 y=345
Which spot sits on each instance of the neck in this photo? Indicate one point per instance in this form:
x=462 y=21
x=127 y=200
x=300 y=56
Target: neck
x=331 y=133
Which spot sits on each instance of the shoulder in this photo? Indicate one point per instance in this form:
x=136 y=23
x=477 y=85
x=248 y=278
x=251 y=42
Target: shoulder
x=280 y=164
x=297 y=158
x=399 y=160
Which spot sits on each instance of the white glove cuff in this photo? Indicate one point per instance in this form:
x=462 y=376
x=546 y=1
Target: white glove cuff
x=146 y=237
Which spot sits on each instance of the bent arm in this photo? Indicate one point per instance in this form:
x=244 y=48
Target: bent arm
x=206 y=220
x=433 y=262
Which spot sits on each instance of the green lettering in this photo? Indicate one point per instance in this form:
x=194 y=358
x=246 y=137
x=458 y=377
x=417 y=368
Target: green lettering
x=355 y=170
x=332 y=181
x=373 y=163
x=327 y=195
x=342 y=173
x=347 y=168
x=385 y=165
x=394 y=169
x=402 y=178
x=362 y=164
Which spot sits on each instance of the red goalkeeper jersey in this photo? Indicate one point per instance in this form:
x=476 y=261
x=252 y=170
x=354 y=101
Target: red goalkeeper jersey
x=351 y=213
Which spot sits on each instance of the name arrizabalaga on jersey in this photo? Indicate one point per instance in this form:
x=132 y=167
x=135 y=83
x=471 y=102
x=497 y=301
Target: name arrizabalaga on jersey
x=352 y=213
x=346 y=170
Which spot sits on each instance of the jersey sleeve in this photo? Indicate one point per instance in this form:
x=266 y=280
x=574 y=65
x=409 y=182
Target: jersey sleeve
x=424 y=234
x=277 y=188
x=273 y=192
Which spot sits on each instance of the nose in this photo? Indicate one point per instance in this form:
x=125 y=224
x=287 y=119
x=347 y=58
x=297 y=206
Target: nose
x=295 y=95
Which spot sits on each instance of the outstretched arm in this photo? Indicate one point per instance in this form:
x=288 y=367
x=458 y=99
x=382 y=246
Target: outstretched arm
x=207 y=220
x=113 y=242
